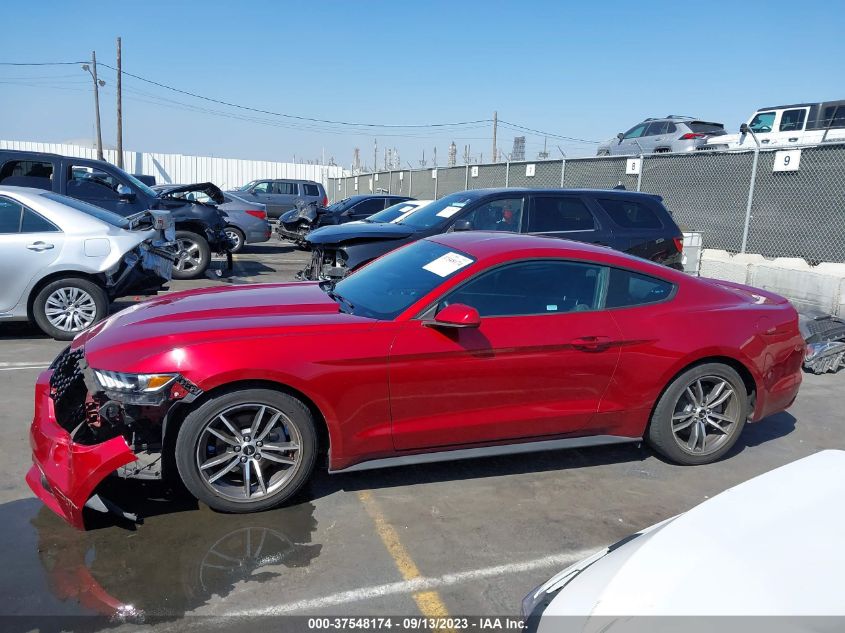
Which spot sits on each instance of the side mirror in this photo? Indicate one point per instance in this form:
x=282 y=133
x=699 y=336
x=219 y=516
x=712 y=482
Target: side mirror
x=620 y=136
x=456 y=315
x=462 y=225
x=743 y=129
x=125 y=194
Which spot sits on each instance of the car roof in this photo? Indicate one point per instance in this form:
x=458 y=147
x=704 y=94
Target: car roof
x=604 y=193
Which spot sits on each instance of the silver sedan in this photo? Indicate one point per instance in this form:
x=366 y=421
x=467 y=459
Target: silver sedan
x=63 y=260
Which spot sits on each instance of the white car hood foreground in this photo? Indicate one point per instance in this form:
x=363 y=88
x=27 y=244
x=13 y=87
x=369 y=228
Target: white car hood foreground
x=771 y=546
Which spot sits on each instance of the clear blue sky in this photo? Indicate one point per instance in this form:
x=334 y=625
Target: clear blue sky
x=585 y=69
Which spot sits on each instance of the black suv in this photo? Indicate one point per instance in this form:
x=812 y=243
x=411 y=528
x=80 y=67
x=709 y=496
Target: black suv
x=297 y=223
x=636 y=223
x=200 y=228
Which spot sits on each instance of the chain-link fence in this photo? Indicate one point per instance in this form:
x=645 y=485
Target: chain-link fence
x=788 y=203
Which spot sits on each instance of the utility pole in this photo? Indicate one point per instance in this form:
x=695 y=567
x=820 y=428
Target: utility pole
x=495 y=125
x=375 y=154
x=97 y=84
x=119 y=110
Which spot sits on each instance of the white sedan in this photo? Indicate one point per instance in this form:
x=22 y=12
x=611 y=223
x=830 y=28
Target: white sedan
x=63 y=260
x=768 y=547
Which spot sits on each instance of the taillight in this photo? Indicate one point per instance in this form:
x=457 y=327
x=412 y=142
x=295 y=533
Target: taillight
x=262 y=215
x=679 y=243
x=325 y=201
x=692 y=135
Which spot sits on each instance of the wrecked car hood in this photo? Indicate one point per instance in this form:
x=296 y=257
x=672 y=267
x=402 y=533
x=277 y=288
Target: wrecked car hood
x=208 y=188
x=359 y=231
x=210 y=314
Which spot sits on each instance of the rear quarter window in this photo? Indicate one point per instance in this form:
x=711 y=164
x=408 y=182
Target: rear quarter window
x=630 y=214
x=312 y=190
x=626 y=288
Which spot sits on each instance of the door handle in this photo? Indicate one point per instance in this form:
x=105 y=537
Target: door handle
x=39 y=246
x=591 y=343
x=793 y=139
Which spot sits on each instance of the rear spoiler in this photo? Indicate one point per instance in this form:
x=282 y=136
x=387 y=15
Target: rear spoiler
x=750 y=293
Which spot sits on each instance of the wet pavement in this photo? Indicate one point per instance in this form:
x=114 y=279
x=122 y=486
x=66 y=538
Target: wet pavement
x=473 y=536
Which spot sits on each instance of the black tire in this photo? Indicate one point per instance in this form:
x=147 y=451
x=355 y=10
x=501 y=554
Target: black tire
x=192 y=438
x=197 y=262
x=677 y=402
x=92 y=305
x=237 y=239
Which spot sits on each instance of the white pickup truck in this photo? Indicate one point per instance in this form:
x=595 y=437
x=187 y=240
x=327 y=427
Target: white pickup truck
x=789 y=126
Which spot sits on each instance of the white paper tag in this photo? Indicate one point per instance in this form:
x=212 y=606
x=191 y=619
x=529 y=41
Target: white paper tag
x=449 y=211
x=551 y=307
x=446 y=264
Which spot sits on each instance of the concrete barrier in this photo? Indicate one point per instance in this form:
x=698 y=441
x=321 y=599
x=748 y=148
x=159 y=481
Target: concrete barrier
x=819 y=287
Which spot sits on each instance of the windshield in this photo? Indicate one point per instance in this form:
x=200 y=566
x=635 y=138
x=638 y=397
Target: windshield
x=762 y=122
x=391 y=284
x=438 y=212
x=393 y=213
x=98 y=212
x=246 y=186
x=343 y=205
x=140 y=186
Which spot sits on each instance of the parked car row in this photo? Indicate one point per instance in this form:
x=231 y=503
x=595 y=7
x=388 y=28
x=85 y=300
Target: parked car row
x=777 y=126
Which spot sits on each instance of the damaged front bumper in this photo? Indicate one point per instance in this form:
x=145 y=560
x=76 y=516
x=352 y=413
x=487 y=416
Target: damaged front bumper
x=325 y=265
x=81 y=433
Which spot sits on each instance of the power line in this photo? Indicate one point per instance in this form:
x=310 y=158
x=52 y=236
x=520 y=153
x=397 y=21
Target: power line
x=43 y=63
x=551 y=134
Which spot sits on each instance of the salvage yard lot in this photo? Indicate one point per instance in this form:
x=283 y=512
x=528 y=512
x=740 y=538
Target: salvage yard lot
x=463 y=538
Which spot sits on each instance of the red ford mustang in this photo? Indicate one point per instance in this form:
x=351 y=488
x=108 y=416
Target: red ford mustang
x=460 y=345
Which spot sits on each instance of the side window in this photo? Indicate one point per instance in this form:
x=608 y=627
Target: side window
x=762 y=122
x=671 y=128
x=627 y=288
x=549 y=215
x=286 y=188
x=34 y=223
x=656 y=129
x=311 y=190
x=92 y=183
x=533 y=287
x=366 y=208
x=27 y=173
x=636 y=131
x=792 y=120
x=10 y=216
x=834 y=117
x=261 y=187
x=497 y=215
x=630 y=215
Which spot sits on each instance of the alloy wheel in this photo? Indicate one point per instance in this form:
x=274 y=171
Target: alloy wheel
x=248 y=452
x=190 y=256
x=706 y=415
x=234 y=239
x=70 y=309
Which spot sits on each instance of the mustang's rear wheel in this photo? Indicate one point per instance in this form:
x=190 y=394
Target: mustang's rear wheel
x=247 y=450
x=700 y=416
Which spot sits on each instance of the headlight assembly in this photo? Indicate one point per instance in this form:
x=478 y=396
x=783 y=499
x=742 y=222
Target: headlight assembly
x=133 y=383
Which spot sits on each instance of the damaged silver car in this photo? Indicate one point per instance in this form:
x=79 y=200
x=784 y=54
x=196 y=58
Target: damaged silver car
x=62 y=261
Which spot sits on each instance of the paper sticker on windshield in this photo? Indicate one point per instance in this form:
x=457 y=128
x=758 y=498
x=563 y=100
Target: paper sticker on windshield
x=446 y=264
x=449 y=211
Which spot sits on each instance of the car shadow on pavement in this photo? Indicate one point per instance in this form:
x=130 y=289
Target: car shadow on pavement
x=20 y=330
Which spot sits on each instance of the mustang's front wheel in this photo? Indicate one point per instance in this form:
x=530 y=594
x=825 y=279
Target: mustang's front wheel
x=247 y=451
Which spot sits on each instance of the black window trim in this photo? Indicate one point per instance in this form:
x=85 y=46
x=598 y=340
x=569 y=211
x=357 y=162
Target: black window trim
x=428 y=312
x=24 y=209
x=477 y=203
x=597 y=225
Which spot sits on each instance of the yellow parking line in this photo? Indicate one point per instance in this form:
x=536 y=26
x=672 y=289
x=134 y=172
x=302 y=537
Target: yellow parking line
x=429 y=602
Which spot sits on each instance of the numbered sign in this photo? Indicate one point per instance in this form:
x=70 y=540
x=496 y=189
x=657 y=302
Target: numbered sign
x=434 y=173
x=401 y=175
x=529 y=170
x=376 y=177
x=633 y=166
x=787 y=160
x=474 y=171
x=356 y=183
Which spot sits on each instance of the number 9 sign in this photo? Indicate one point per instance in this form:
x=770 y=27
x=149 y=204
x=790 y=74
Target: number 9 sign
x=787 y=160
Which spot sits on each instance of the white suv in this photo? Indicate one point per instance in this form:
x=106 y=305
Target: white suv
x=789 y=126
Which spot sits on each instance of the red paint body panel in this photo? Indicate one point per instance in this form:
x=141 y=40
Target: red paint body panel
x=388 y=387
x=70 y=470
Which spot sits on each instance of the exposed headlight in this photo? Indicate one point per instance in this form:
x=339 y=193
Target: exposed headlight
x=539 y=598
x=133 y=383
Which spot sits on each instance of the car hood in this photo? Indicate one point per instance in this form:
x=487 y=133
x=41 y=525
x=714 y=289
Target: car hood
x=209 y=315
x=208 y=188
x=771 y=546
x=363 y=231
